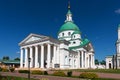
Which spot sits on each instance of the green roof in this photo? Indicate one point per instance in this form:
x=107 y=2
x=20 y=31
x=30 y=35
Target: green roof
x=11 y=61
x=83 y=43
x=119 y=26
x=69 y=12
x=76 y=32
x=69 y=25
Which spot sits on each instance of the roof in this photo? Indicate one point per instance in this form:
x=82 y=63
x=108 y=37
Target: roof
x=76 y=32
x=69 y=25
x=119 y=26
x=83 y=43
x=10 y=62
x=69 y=12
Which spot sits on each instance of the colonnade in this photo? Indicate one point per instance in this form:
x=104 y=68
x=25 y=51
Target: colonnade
x=42 y=56
x=86 y=60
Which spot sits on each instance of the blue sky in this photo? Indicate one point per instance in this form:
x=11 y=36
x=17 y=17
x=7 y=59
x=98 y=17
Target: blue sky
x=97 y=19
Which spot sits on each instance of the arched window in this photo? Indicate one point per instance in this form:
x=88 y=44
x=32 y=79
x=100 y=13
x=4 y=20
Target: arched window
x=62 y=34
x=69 y=33
x=74 y=42
x=74 y=36
x=65 y=59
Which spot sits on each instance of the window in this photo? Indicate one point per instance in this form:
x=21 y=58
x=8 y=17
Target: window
x=69 y=33
x=74 y=42
x=74 y=36
x=62 y=34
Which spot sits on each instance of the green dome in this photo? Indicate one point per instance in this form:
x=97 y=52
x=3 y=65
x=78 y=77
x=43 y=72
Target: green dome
x=76 y=32
x=69 y=26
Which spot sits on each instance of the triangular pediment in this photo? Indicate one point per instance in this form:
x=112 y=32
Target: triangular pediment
x=33 y=38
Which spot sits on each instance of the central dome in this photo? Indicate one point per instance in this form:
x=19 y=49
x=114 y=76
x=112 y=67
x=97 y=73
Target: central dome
x=69 y=26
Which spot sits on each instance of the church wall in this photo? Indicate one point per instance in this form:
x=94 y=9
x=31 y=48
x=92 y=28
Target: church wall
x=66 y=35
x=109 y=63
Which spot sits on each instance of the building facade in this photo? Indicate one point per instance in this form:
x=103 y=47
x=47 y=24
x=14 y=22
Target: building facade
x=113 y=61
x=69 y=51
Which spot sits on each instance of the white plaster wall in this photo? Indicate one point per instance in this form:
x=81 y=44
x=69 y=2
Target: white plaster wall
x=108 y=60
x=76 y=36
x=65 y=34
x=62 y=45
x=77 y=43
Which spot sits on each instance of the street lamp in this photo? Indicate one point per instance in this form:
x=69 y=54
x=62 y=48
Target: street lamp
x=29 y=59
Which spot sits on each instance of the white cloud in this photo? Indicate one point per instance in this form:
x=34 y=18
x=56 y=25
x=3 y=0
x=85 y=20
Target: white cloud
x=117 y=11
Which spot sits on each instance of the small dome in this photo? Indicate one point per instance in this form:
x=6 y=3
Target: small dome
x=76 y=32
x=69 y=25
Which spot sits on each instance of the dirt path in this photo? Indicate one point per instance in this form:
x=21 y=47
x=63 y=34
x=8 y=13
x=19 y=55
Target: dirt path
x=101 y=75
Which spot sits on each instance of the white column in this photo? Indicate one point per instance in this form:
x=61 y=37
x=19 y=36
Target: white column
x=85 y=60
x=88 y=61
x=21 y=58
x=91 y=61
x=57 y=55
x=42 y=56
x=48 y=55
x=82 y=58
x=54 y=54
x=26 y=57
x=78 y=61
x=31 y=57
x=36 y=56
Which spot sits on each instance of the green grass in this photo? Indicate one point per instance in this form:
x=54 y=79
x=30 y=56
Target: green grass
x=14 y=78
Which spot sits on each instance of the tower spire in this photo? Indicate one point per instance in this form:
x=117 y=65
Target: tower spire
x=69 y=14
x=69 y=5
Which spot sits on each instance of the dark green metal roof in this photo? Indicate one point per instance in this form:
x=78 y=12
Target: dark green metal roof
x=10 y=62
x=69 y=25
x=83 y=43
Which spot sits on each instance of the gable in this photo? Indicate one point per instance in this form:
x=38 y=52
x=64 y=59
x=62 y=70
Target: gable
x=33 y=38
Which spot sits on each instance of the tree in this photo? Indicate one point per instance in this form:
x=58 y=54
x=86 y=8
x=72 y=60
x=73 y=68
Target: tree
x=6 y=58
x=17 y=59
x=103 y=62
x=96 y=61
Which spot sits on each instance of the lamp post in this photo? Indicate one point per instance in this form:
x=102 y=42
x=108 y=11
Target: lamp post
x=29 y=59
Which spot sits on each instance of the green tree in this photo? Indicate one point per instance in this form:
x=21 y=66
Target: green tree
x=103 y=62
x=96 y=61
x=17 y=59
x=6 y=58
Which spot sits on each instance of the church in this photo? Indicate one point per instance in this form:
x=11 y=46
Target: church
x=69 y=51
x=113 y=61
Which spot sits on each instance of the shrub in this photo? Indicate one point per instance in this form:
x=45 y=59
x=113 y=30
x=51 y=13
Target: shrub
x=59 y=73
x=12 y=69
x=69 y=73
x=5 y=69
x=88 y=75
x=45 y=73
x=0 y=69
x=23 y=71
x=37 y=72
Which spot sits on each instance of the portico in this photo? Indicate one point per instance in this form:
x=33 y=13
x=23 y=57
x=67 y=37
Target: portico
x=42 y=55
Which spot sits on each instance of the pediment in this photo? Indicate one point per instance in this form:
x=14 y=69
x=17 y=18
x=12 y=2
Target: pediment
x=33 y=38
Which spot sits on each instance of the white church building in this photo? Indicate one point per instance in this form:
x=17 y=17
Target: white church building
x=113 y=61
x=69 y=51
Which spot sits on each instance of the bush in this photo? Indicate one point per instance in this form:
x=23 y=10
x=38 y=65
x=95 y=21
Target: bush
x=12 y=69
x=23 y=71
x=0 y=69
x=37 y=72
x=5 y=69
x=45 y=73
x=69 y=73
x=59 y=73
x=88 y=75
